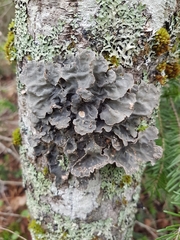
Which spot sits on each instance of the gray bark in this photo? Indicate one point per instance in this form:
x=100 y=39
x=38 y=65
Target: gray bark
x=87 y=102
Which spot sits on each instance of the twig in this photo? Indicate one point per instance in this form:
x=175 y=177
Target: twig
x=11 y=214
x=148 y=229
x=3 y=5
x=6 y=10
x=11 y=183
x=14 y=149
x=175 y=113
x=4 y=149
x=8 y=230
x=7 y=139
x=10 y=118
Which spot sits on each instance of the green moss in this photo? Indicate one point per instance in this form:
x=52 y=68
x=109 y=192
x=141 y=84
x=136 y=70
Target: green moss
x=126 y=179
x=172 y=70
x=161 y=66
x=166 y=47
x=162 y=41
x=167 y=70
x=113 y=60
x=37 y=229
x=9 y=48
x=142 y=126
x=45 y=171
x=64 y=236
x=16 y=137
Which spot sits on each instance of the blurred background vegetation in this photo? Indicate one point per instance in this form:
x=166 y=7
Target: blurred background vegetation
x=161 y=182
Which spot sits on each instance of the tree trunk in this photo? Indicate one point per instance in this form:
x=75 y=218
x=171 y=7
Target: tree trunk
x=89 y=78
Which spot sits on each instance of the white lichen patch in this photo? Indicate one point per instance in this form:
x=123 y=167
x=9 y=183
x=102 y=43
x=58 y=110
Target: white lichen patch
x=86 y=12
x=44 y=15
x=158 y=11
x=76 y=202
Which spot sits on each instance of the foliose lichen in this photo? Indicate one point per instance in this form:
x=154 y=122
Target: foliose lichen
x=94 y=112
x=36 y=229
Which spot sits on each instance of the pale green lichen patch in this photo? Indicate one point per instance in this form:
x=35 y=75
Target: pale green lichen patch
x=115 y=181
x=143 y=125
x=64 y=162
x=118 y=28
x=83 y=230
x=111 y=178
x=39 y=186
x=59 y=226
x=44 y=47
x=125 y=189
x=129 y=208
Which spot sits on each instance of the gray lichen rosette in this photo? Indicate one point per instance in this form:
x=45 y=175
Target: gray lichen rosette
x=88 y=115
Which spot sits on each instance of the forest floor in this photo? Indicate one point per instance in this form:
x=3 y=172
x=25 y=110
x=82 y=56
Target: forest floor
x=14 y=216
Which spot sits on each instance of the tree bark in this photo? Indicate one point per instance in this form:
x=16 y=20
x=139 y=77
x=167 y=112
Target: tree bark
x=89 y=78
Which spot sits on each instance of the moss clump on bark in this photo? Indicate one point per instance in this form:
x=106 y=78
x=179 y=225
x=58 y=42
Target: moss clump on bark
x=162 y=41
x=16 y=137
x=9 y=48
x=36 y=229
